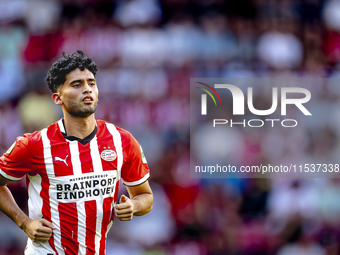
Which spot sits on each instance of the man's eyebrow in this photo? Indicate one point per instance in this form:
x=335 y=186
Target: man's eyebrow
x=75 y=81
x=80 y=81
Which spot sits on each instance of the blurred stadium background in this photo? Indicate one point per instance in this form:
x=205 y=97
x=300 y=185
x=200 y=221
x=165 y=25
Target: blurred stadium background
x=147 y=50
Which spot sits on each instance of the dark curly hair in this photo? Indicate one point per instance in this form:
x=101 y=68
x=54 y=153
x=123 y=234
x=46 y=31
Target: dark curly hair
x=56 y=76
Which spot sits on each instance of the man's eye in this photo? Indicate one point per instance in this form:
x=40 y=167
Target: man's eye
x=76 y=85
x=92 y=84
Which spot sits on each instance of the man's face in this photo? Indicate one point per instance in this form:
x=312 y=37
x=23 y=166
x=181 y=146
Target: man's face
x=79 y=93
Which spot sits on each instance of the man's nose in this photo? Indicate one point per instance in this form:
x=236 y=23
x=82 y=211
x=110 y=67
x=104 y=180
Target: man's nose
x=87 y=88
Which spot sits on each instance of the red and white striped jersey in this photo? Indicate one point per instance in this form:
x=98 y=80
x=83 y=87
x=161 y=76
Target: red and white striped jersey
x=75 y=186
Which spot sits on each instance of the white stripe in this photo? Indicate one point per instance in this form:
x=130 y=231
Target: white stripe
x=97 y=167
x=96 y=160
x=54 y=206
x=137 y=182
x=99 y=221
x=81 y=228
x=47 y=153
x=35 y=201
x=76 y=164
x=61 y=126
x=117 y=140
x=35 y=204
x=9 y=177
x=108 y=229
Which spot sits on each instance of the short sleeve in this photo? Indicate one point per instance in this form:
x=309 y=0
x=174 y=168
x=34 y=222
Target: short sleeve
x=15 y=163
x=135 y=171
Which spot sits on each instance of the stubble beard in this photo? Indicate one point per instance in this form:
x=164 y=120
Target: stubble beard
x=76 y=110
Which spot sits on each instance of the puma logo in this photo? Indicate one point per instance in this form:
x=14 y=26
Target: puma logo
x=62 y=160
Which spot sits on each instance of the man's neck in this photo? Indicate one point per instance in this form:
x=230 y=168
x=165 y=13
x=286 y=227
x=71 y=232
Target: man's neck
x=79 y=127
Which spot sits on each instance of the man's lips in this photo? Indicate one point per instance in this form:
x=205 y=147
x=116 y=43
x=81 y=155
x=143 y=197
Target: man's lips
x=88 y=99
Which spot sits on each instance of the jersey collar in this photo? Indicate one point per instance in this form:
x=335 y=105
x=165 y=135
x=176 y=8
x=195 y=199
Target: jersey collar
x=83 y=141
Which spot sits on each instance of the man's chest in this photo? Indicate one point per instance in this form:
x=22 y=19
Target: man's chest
x=76 y=172
x=73 y=158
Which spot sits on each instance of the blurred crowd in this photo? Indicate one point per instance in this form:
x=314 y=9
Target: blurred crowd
x=147 y=51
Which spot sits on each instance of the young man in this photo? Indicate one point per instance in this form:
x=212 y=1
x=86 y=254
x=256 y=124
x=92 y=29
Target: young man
x=74 y=168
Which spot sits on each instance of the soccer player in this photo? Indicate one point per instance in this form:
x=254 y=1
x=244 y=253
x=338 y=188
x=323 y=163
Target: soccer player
x=73 y=169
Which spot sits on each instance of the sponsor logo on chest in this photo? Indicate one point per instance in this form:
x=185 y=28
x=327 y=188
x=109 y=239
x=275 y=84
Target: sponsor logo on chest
x=83 y=187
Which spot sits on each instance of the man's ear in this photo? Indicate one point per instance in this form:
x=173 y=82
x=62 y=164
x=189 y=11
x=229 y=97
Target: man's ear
x=57 y=98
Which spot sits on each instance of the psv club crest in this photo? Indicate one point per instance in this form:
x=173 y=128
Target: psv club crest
x=108 y=155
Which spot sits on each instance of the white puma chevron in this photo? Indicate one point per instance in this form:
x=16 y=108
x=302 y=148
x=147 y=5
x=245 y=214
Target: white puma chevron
x=60 y=159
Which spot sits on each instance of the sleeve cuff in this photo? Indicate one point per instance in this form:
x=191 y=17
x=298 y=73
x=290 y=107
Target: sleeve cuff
x=136 y=183
x=11 y=178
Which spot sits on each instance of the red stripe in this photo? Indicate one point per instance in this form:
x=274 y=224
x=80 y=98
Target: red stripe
x=69 y=227
x=115 y=199
x=46 y=208
x=107 y=210
x=126 y=147
x=91 y=212
x=85 y=158
x=106 y=144
x=58 y=150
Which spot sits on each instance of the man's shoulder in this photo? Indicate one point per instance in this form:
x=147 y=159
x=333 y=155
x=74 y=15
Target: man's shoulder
x=36 y=136
x=28 y=138
x=23 y=145
x=123 y=132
